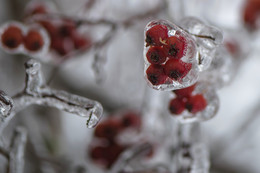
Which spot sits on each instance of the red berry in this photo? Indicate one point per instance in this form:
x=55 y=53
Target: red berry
x=131 y=119
x=97 y=152
x=106 y=155
x=112 y=153
x=107 y=129
x=67 y=30
x=196 y=103
x=185 y=92
x=39 y=9
x=175 y=47
x=251 y=13
x=50 y=28
x=12 y=37
x=156 y=35
x=33 y=41
x=156 y=55
x=81 y=42
x=176 y=106
x=176 y=69
x=155 y=74
x=62 y=46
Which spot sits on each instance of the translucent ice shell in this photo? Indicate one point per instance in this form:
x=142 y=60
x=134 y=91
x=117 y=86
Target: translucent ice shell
x=207 y=39
x=170 y=56
x=198 y=102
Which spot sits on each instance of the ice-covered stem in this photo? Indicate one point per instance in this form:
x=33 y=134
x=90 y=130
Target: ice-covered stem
x=37 y=92
x=17 y=149
x=130 y=154
x=193 y=156
x=15 y=153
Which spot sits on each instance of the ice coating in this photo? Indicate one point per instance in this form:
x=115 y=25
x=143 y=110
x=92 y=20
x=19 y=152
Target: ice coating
x=205 y=90
x=207 y=38
x=6 y=104
x=180 y=67
x=222 y=68
x=195 y=158
x=37 y=92
x=17 y=151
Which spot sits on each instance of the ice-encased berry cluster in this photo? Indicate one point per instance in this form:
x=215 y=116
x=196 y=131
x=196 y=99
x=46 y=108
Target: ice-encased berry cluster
x=170 y=56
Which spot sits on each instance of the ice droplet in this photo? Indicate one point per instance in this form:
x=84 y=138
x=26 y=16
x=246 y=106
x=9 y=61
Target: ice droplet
x=94 y=116
x=6 y=104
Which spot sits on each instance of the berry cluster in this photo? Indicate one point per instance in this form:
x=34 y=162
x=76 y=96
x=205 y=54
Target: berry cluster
x=251 y=13
x=17 y=38
x=186 y=100
x=64 y=34
x=164 y=55
x=106 y=151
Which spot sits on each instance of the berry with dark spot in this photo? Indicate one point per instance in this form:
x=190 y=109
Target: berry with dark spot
x=176 y=106
x=131 y=119
x=176 y=69
x=155 y=74
x=33 y=41
x=156 y=55
x=12 y=37
x=107 y=129
x=196 y=103
x=156 y=35
x=175 y=47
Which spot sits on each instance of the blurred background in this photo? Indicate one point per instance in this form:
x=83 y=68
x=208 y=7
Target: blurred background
x=110 y=70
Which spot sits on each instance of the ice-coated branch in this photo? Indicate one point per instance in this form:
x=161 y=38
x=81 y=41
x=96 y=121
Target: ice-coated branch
x=193 y=156
x=130 y=154
x=17 y=149
x=37 y=92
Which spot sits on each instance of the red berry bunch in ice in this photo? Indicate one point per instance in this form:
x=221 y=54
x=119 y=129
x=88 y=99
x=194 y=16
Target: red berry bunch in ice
x=197 y=102
x=18 y=38
x=170 y=56
x=64 y=33
x=251 y=14
x=106 y=147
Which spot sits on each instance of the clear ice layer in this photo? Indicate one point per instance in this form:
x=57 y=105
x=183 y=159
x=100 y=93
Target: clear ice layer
x=178 y=67
x=222 y=69
x=207 y=39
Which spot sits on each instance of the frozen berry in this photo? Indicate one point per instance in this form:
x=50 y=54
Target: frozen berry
x=251 y=13
x=67 y=30
x=131 y=120
x=156 y=35
x=81 y=42
x=176 y=106
x=155 y=74
x=107 y=129
x=112 y=153
x=185 y=92
x=50 y=28
x=156 y=55
x=106 y=155
x=196 y=103
x=176 y=69
x=175 y=47
x=33 y=41
x=39 y=9
x=12 y=37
